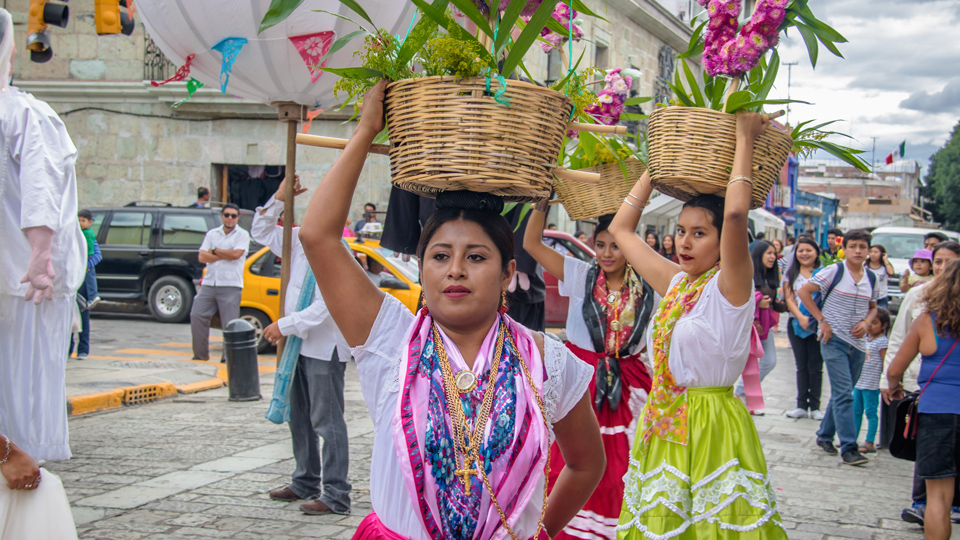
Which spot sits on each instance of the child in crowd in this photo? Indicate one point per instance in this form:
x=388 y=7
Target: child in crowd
x=93 y=256
x=879 y=264
x=922 y=265
x=866 y=394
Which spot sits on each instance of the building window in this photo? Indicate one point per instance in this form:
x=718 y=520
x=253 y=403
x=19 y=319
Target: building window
x=555 y=66
x=601 y=56
x=156 y=66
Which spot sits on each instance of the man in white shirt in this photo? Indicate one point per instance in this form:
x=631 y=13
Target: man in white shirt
x=316 y=392
x=44 y=261
x=224 y=250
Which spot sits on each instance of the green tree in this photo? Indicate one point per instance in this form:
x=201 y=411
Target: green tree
x=943 y=181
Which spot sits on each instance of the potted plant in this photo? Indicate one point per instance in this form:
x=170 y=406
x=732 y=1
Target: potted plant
x=458 y=115
x=692 y=142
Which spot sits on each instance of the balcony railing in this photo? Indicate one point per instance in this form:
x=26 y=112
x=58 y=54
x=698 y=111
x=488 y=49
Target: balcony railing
x=156 y=66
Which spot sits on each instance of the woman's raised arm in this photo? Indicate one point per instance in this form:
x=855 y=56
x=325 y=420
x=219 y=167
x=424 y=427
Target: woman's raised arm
x=736 y=279
x=353 y=300
x=657 y=270
x=549 y=258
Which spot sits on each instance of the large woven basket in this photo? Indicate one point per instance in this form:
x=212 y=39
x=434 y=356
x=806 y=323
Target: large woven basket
x=449 y=134
x=583 y=200
x=692 y=148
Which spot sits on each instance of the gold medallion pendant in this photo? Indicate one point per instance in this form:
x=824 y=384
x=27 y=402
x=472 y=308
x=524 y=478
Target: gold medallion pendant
x=615 y=325
x=466 y=381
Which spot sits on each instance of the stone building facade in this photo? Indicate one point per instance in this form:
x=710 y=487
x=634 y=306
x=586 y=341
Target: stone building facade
x=133 y=146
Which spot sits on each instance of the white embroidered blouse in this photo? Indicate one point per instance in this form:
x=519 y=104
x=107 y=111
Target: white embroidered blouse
x=379 y=363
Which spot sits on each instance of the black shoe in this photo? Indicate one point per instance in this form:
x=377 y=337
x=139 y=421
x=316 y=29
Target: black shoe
x=827 y=446
x=914 y=514
x=854 y=457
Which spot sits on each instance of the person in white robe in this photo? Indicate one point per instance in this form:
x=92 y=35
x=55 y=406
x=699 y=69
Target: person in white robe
x=42 y=262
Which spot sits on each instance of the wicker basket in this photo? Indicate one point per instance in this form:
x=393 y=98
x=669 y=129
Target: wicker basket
x=449 y=134
x=691 y=153
x=582 y=200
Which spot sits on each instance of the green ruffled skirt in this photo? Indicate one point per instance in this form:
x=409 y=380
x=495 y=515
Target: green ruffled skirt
x=716 y=487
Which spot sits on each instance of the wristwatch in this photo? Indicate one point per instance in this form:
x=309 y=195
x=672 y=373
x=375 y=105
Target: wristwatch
x=213 y=251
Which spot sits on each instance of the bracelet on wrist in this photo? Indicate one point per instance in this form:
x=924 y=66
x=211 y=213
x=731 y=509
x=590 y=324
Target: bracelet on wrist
x=626 y=200
x=6 y=454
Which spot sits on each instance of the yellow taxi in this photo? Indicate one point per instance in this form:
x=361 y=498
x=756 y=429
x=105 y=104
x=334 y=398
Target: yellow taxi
x=260 y=301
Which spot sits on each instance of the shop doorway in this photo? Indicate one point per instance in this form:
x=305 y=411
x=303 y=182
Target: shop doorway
x=248 y=186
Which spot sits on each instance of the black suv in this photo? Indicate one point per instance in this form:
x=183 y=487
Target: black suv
x=150 y=254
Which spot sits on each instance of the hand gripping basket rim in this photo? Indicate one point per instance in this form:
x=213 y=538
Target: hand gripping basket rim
x=692 y=148
x=449 y=134
x=583 y=200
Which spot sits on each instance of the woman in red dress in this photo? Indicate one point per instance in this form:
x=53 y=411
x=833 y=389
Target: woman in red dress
x=606 y=321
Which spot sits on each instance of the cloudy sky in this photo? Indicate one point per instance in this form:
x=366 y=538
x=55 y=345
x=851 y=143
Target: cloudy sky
x=899 y=80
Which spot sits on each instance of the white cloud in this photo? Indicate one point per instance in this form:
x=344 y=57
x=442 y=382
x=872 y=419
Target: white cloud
x=898 y=80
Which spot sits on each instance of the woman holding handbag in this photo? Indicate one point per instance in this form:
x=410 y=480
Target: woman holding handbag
x=935 y=336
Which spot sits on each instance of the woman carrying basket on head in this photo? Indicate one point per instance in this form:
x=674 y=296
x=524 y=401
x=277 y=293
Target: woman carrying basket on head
x=607 y=318
x=464 y=401
x=697 y=469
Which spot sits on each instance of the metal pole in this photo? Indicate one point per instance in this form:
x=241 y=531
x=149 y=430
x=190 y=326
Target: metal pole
x=789 y=79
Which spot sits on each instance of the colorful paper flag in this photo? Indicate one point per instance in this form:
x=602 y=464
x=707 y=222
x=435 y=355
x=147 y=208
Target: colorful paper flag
x=182 y=73
x=312 y=47
x=310 y=116
x=230 y=49
x=897 y=154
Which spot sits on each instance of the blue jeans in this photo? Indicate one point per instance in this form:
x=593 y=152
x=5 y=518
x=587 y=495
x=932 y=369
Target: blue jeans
x=865 y=402
x=844 y=362
x=83 y=345
x=90 y=280
x=884 y=302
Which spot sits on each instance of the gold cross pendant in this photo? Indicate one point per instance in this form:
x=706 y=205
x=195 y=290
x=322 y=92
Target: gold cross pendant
x=465 y=475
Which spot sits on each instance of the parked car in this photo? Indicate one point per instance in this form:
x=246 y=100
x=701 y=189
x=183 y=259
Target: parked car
x=901 y=243
x=556 y=306
x=260 y=301
x=150 y=254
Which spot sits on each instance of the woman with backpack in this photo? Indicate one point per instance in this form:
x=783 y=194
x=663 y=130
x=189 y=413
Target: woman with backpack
x=934 y=335
x=806 y=348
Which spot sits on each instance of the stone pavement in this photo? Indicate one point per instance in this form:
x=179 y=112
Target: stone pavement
x=199 y=466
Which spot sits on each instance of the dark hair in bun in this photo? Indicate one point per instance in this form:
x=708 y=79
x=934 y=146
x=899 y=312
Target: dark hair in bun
x=603 y=223
x=481 y=208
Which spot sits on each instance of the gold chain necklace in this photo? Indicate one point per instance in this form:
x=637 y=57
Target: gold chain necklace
x=460 y=428
x=455 y=407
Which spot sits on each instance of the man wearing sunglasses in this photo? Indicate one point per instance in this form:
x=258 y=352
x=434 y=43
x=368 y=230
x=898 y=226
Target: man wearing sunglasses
x=224 y=251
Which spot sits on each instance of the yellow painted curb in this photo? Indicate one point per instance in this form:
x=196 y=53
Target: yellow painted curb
x=100 y=401
x=193 y=388
x=133 y=395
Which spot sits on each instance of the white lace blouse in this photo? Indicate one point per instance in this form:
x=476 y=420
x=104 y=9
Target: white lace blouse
x=379 y=363
x=710 y=344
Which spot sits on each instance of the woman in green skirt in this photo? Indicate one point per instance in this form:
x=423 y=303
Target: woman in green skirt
x=696 y=469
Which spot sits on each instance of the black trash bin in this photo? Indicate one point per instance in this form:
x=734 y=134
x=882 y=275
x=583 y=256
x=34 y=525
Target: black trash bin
x=240 y=352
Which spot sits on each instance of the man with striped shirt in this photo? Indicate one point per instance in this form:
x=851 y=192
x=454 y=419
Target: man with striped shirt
x=847 y=311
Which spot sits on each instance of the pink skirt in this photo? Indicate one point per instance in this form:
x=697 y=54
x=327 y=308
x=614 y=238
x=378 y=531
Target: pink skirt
x=371 y=528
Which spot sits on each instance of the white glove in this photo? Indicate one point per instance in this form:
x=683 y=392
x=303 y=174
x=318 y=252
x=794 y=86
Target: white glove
x=39 y=274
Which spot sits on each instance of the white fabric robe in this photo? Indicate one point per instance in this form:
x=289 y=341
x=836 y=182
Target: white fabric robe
x=38 y=187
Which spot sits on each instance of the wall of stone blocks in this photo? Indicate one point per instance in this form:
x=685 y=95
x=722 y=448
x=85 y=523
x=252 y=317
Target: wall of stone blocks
x=142 y=155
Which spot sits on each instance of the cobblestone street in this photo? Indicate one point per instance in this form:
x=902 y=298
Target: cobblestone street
x=200 y=466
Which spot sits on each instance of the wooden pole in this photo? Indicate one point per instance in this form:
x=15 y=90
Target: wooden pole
x=289 y=113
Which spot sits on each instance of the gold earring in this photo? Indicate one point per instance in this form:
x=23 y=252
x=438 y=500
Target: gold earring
x=503 y=303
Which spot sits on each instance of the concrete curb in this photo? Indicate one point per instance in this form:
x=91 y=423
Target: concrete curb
x=134 y=395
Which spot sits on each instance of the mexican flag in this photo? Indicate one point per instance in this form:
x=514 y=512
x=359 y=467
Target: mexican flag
x=897 y=154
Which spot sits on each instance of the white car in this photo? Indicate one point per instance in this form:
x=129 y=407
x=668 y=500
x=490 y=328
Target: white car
x=901 y=243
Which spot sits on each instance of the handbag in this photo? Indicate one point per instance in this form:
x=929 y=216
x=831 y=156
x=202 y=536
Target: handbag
x=904 y=442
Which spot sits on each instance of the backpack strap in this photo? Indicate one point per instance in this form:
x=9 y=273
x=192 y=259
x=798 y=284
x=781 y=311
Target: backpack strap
x=836 y=281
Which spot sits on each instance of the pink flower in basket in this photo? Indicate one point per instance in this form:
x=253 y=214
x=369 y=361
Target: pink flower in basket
x=726 y=52
x=565 y=16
